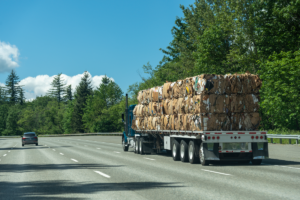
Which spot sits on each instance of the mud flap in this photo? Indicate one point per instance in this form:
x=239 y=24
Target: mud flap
x=260 y=153
x=211 y=154
x=147 y=147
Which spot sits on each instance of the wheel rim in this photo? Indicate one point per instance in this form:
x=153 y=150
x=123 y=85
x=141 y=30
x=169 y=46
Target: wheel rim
x=201 y=155
x=136 y=146
x=191 y=152
x=141 y=146
x=182 y=150
x=174 y=150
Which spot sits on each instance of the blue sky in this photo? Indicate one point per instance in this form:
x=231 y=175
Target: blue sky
x=115 y=38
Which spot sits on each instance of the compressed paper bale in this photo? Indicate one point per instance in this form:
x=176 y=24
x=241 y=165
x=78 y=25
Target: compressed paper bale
x=189 y=89
x=177 y=89
x=172 y=121
x=149 y=123
x=237 y=103
x=180 y=106
x=135 y=110
x=223 y=123
x=251 y=103
x=158 y=109
x=166 y=89
x=211 y=84
x=160 y=93
x=133 y=126
x=187 y=121
x=156 y=123
x=219 y=103
x=189 y=105
x=166 y=106
x=167 y=125
x=174 y=105
x=162 y=125
x=245 y=121
x=201 y=103
x=179 y=122
x=236 y=84
x=139 y=123
x=154 y=94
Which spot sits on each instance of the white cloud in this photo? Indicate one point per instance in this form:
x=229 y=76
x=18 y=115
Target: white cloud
x=8 y=57
x=39 y=85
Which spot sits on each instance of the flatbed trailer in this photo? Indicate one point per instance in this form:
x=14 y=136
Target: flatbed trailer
x=197 y=146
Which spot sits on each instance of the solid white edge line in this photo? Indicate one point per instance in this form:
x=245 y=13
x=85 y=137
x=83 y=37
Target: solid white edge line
x=215 y=172
x=4 y=155
x=149 y=158
x=74 y=160
x=102 y=174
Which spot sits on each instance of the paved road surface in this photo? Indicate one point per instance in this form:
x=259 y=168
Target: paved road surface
x=95 y=167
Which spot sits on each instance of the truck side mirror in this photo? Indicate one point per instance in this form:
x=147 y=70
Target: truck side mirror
x=122 y=117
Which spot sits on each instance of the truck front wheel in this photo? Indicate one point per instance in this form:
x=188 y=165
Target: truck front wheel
x=175 y=150
x=125 y=148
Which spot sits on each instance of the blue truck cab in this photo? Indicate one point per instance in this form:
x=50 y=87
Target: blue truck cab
x=129 y=133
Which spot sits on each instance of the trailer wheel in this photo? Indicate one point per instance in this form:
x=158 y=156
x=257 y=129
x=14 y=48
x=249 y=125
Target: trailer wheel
x=136 y=145
x=141 y=146
x=202 y=157
x=183 y=151
x=256 y=162
x=193 y=152
x=175 y=150
x=125 y=148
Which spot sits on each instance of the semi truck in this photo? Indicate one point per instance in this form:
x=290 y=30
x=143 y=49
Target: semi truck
x=205 y=147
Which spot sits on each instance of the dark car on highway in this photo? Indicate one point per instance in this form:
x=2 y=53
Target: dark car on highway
x=29 y=138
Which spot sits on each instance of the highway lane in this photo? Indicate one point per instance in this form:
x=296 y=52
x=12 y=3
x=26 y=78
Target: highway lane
x=95 y=167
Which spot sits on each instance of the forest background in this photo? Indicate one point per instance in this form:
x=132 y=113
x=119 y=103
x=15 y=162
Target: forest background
x=220 y=37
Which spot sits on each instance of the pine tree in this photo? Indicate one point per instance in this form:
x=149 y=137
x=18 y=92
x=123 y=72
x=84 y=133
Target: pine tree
x=13 y=87
x=3 y=98
x=21 y=97
x=83 y=90
x=58 y=89
x=69 y=95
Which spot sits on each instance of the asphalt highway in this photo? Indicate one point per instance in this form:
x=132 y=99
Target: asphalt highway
x=96 y=167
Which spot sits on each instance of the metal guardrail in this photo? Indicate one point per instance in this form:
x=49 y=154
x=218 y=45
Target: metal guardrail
x=278 y=136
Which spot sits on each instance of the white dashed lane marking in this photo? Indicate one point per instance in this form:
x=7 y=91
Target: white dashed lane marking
x=98 y=148
x=116 y=152
x=149 y=159
x=74 y=160
x=216 y=172
x=102 y=174
x=4 y=155
x=61 y=154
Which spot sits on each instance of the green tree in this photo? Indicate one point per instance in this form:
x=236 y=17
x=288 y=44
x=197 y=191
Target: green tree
x=21 y=97
x=12 y=87
x=58 y=89
x=281 y=90
x=83 y=90
x=11 y=121
x=101 y=113
x=69 y=95
x=3 y=116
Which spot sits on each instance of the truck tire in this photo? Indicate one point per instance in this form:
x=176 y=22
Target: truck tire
x=136 y=145
x=141 y=146
x=256 y=162
x=202 y=157
x=125 y=148
x=193 y=152
x=183 y=151
x=175 y=150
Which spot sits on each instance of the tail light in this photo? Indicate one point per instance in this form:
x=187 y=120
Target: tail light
x=213 y=137
x=23 y=138
x=252 y=137
x=256 y=137
x=35 y=137
x=218 y=137
x=208 y=137
x=234 y=137
x=261 y=137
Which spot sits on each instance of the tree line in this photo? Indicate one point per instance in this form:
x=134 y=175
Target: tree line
x=219 y=37
x=60 y=111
